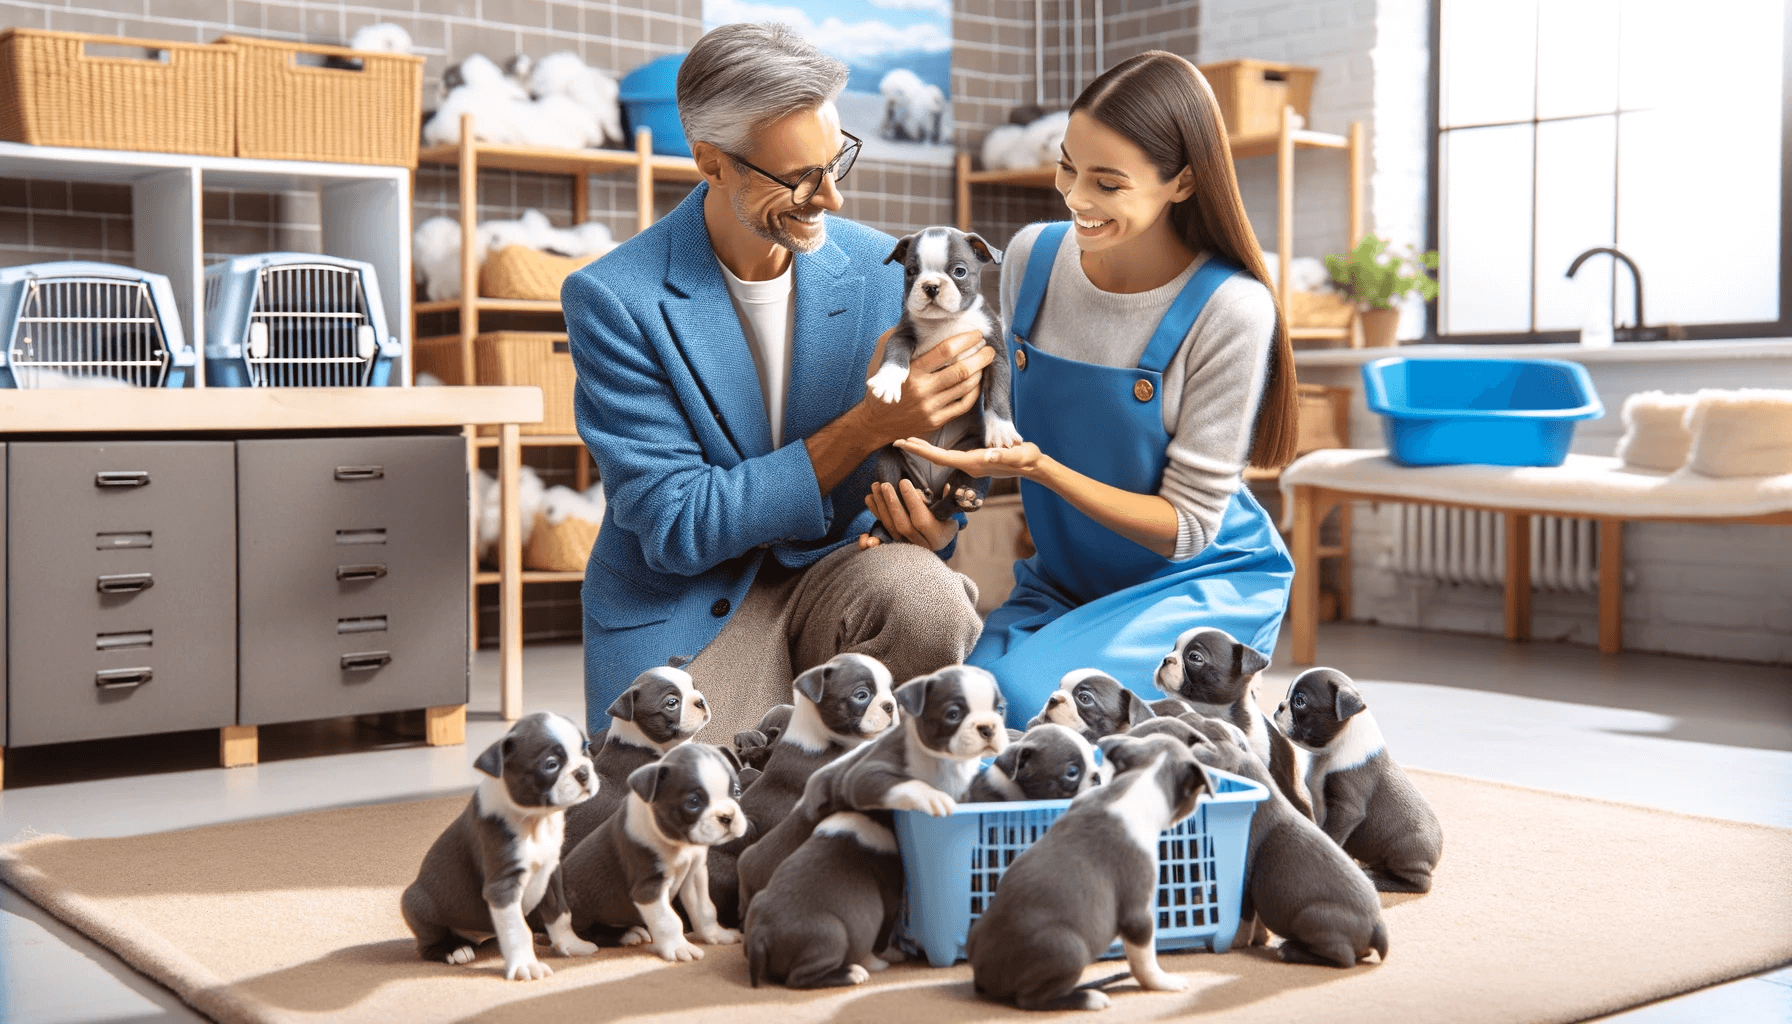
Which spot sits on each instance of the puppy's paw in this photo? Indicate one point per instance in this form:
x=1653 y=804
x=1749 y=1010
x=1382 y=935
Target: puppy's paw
x=462 y=955
x=575 y=947
x=886 y=383
x=1092 y=999
x=916 y=795
x=636 y=936
x=1000 y=433
x=679 y=950
x=1163 y=981
x=968 y=499
x=526 y=970
x=857 y=974
x=876 y=963
x=719 y=936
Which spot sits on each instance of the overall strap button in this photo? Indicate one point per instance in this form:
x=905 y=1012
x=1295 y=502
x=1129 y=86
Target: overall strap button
x=720 y=608
x=1143 y=390
x=1020 y=358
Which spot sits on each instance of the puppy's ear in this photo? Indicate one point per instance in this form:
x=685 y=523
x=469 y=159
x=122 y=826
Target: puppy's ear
x=812 y=684
x=985 y=251
x=751 y=739
x=1191 y=780
x=645 y=780
x=730 y=756
x=1347 y=702
x=1119 y=750
x=623 y=708
x=491 y=762
x=900 y=253
x=678 y=660
x=1135 y=708
x=1249 y=661
x=911 y=696
x=1009 y=760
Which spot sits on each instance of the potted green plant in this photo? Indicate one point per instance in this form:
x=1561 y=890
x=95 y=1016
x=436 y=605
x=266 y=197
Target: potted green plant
x=1374 y=278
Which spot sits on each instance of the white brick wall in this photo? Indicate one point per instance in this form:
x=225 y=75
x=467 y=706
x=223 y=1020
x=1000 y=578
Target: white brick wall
x=1709 y=591
x=1373 y=58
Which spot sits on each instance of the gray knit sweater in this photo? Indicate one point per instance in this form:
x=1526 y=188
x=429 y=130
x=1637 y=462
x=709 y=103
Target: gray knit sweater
x=1210 y=389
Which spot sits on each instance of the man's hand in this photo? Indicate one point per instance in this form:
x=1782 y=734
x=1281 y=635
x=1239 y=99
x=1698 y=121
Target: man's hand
x=907 y=518
x=940 y=387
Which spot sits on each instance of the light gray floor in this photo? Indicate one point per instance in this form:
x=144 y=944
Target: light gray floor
x=1703 y=737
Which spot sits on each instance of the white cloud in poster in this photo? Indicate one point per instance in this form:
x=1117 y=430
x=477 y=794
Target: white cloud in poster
x=848 y=41
x=943 y=8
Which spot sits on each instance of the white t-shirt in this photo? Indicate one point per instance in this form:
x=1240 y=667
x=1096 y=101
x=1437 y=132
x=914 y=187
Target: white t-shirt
x=765 y=311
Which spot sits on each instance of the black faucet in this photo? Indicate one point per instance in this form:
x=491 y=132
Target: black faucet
x=1636 y=332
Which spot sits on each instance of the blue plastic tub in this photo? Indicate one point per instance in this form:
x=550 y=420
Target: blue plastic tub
x=1498 y=412
x=953 y=864
x=649 y=96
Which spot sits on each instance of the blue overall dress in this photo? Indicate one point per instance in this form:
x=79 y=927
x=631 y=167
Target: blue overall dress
x=1090 y=598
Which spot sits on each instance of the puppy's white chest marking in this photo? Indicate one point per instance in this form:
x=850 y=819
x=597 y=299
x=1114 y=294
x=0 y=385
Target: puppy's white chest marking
x=1142 y=810
x=930 y=332
x=540 y=853
x=1355 y=744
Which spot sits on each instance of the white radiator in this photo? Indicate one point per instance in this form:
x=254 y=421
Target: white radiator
x=1454 y=545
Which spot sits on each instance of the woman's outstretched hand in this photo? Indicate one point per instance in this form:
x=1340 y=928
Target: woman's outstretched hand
x=907 y=518
x=1022 y=460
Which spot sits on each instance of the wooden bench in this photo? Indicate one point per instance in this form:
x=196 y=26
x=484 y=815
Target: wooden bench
x=1583 y=487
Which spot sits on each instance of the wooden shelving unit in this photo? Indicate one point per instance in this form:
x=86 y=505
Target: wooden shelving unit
x=1280 y=144
x=471 y=156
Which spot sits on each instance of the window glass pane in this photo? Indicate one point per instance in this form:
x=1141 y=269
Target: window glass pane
x=1488 y=62
x=1648 y=55
x=1486 y=250
x=1577 y=58
x=1728 y=53
x=1576 y=161
x=1699 y=210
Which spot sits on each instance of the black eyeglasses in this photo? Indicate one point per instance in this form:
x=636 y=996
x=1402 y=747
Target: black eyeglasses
x=805 y=187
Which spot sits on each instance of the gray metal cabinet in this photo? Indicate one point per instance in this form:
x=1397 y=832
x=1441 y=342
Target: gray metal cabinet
x=120 y=588
x=352 y=575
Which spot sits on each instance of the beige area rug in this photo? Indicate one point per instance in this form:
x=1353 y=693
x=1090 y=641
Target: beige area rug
x=1546 y=908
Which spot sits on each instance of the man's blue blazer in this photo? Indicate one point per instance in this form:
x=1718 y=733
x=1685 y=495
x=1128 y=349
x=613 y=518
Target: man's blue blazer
x=670 y=405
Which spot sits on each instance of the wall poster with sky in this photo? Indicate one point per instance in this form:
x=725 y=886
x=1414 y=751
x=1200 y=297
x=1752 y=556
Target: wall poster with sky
x=898 y=98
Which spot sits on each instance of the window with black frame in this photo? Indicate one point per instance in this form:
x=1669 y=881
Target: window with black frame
x=1567 y=129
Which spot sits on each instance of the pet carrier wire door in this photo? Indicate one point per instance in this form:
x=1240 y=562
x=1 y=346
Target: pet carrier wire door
x=83 y=325
x=296 y=320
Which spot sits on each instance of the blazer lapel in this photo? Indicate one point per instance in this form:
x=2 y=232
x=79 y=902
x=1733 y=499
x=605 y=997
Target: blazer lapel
x=703 y=323
x=828 y=366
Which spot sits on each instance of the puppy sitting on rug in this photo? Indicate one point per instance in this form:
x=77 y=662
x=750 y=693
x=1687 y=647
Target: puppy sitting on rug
x=500 y=860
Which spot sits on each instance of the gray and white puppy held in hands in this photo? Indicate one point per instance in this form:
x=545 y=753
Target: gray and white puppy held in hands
x=829 y=908
x=1298 y=883
x=661 y=709
x=1094 y=704
x=949 y=720
x=1049 y=762
x=622 y=877
x=1213 y=672
x=500 y=860
x=1361 y=798
x=941 y=269
x=1039 y=933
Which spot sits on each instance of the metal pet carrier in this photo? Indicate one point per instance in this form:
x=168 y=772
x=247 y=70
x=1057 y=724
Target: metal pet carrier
x=82 y=325
x=293 y=319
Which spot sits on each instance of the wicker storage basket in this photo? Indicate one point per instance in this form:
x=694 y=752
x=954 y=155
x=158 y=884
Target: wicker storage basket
x=519 y=272
x=1318 y=309
x=560 y=547
x=1251 y=93
x=56 y=90
x=440 y=356
x=530 y=359
x=290 y=108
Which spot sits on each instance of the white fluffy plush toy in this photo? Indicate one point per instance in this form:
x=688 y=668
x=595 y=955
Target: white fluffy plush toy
x=912 y=108
x=590 y=90
x=564 y=104
x=1041 y=142
x=529 y=501
x=999 y=142
x=381 y=37
x=435 y=246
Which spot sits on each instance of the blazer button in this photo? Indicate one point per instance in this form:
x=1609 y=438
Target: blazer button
x=1143 y=390
x=1020 y=358
x=720 y=608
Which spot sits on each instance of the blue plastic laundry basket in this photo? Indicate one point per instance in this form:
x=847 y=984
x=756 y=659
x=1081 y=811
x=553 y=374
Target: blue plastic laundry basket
x=1499 y=412
x=649 y=96
x=953 y=864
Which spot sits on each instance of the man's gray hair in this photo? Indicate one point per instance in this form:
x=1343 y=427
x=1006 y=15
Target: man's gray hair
x=742 y=77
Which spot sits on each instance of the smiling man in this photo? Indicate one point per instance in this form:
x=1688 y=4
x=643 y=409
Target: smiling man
x=722 y=357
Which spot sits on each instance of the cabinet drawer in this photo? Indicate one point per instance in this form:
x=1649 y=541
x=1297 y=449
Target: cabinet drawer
x=352 y=575
x=120 y=590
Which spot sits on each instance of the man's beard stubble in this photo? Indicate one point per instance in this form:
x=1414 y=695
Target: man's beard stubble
x=778 y=235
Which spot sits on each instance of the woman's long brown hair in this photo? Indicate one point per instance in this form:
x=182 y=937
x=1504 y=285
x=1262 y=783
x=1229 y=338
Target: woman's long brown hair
x=1164 y=106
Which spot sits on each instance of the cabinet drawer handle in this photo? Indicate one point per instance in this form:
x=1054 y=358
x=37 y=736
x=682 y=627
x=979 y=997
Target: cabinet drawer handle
x=366 y=661
x=358 y=573
x=121 y=478
x=125 y=583
x=352 y=473
x=122 y=678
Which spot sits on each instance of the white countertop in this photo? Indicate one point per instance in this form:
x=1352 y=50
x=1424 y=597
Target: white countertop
x=1637 y=352
x=125 y=410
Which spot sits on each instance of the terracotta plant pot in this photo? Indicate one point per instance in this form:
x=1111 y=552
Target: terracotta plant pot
x=1379 y=326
